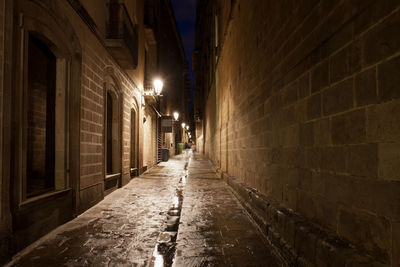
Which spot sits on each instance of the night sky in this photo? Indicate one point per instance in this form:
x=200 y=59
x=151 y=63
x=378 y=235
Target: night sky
x=185 y=13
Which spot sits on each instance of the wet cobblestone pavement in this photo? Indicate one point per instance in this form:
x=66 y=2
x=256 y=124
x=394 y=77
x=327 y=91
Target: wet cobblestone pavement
x=137 y=225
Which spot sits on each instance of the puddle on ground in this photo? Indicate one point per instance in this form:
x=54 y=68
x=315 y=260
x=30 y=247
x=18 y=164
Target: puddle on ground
x=164 y=251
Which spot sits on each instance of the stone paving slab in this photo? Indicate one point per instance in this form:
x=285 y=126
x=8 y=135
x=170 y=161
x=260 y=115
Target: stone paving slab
x=130 y=224
x=121 y=230
x=215 y=230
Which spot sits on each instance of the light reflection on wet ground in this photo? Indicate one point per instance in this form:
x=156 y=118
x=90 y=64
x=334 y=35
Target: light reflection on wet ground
x=122 y=230
x=164 y=252
x=215 y=230
x=177 y=214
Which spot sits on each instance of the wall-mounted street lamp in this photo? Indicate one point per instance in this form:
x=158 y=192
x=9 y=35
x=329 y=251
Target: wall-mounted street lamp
x=143 y=102
x=176 y=115
x=158 y=86
x=183 y=125
x=187 y=127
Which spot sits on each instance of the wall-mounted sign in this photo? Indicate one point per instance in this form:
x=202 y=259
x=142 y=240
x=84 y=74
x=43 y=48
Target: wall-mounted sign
x=166 y=124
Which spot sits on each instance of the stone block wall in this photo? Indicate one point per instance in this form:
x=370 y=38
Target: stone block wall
x=91 y=68
x=97 y=67
x=305 y=108
x=92 y=127
x=97 y=64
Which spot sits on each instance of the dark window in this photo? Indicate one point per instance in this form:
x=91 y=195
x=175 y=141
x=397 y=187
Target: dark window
x=133 y=138
x=109 y=133
x=40 y=118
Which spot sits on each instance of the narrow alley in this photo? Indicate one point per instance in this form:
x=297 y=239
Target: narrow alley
x=179 y=212
x=291 y=110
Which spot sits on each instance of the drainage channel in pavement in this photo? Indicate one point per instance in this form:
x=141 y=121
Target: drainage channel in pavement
x=164 y=251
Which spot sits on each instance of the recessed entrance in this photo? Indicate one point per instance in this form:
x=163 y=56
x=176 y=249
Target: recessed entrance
x=40 y=118
x=133 y=164
x=112 y=139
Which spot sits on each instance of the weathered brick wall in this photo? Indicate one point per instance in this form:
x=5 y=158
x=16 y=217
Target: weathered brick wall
x=308 y=113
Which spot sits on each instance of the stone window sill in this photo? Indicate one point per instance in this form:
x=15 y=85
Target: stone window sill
x=43 y=197
x=112 y=176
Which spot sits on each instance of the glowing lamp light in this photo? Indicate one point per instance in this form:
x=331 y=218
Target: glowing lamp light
x=183 y=125
x=158 y=86
x=176 y=115
x=143 y=101
x=158 y=259
x=175 y=202
x=187 y=127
